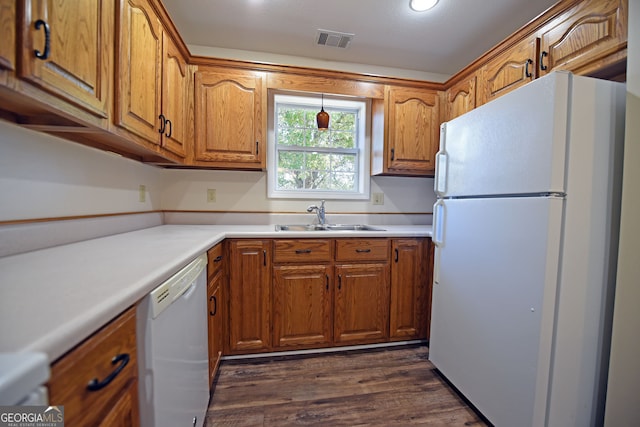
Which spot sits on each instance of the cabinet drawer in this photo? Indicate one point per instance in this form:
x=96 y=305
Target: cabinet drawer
x=302 y=250
x=215 y=257
x=362 y=249
x=94 y=359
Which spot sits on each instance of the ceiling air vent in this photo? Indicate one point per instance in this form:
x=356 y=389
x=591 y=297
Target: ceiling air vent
x=333 y=38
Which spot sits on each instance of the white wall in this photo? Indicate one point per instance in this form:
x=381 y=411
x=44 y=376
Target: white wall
x=247 y=191
x=623 y=394
x=42 y=176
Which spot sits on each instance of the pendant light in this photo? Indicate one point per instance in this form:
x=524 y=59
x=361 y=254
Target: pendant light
x=322 y=118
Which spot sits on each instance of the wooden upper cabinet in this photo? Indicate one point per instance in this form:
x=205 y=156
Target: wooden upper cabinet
x=176 y=99
x=585 y=38
x=511 y=69
x=405 y=132
x=8 y=34
x=461 y=97
x=153 y=100
x=139 y=70
x=67 y=48
x=230 y=119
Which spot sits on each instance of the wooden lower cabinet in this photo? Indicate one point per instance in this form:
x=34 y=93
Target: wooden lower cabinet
x=115 y=404
x=302 y=302
x=249 y=296
x=409 y=289
x=217 y=278
x=326 y=292
x=361 y=303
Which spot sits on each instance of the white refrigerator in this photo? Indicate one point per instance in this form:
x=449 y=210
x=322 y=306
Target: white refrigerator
x=525 y=232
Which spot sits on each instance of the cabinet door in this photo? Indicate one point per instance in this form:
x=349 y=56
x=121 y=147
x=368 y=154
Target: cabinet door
x=249 y=295
x=302 y=305
x=413 y=128
x=139 y=70
x=579 y=39
x=8 y=34
x=511 y=69
x=67 y=47
x=216 y=307
x=175 y=98
x=361 y=303
x=230 y=119
x=124 y=412
x=409 y=275
x=461 y=98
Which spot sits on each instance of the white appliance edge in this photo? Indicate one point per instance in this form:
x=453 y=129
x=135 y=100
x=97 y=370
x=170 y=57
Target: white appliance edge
x=558 y=138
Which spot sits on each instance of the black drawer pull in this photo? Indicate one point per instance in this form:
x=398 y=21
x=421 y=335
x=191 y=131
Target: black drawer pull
x=168 y=134
x=526 y=67
x=361 y=251
x=303 y=251
x=215 y=305
x=163 y=123
x=396 y=250
x=218 y=258
x=47 y=40
x=542 y=56
x=95 y=384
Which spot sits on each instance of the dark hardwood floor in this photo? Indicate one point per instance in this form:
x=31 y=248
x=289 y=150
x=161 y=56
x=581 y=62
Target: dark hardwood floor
x=384 y=387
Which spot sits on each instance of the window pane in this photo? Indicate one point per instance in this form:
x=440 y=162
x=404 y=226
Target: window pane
x=309 y=159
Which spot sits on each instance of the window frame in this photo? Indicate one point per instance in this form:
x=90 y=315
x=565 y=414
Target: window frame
x=363 y=152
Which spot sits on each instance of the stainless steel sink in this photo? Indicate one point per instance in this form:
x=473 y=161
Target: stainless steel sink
x=326 y=227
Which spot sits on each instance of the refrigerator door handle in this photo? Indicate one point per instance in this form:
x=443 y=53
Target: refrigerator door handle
x=440 y=181
x=438 y=227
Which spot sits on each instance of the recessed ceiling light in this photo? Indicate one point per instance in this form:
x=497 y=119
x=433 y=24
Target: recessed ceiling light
x=422 y=5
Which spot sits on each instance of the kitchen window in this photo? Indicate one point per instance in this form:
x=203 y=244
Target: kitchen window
x=305 y=162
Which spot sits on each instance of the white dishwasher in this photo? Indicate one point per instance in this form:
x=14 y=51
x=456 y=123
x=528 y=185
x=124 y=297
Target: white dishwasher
x=173 y=350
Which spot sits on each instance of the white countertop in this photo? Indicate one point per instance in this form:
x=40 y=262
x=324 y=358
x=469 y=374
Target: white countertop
x=52 y=299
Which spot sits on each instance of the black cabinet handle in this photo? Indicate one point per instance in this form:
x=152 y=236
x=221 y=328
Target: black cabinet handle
x=339 y=281
x=47 y=40
x=526 y=67
x=542 y=56
x=218 y=258
x=215 y=305
x=163 y=123
x=396 y=250
x=95 y=384
x=257 y=148
x=361 y=251
x=393 y=153
x=168 y=135
x=303 y=251
x=264 y=257
x=327 y=276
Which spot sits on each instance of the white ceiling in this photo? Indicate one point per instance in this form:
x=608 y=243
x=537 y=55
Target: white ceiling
x=387 y=33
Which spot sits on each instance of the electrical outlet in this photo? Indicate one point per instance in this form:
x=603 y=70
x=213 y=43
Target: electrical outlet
x=142 y=193
x=378 y=199
x=211 y=195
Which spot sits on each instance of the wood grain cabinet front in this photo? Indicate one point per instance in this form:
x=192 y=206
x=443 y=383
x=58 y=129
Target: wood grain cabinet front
x=9 y=35
x=97 y=382
x=249 y=296
x=511 y=69
x=153 y=78
x=217 y=279
x=410 y=291
x=406 y=129
x=302 y=293
x=586 y=39
x=230 y=119
x=461 y=97
x=66 y=48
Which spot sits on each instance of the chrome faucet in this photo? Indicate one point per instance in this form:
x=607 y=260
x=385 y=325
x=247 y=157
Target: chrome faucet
x=320 y=212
